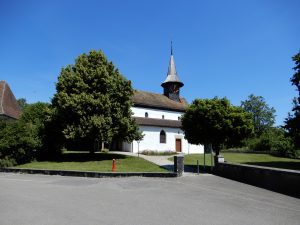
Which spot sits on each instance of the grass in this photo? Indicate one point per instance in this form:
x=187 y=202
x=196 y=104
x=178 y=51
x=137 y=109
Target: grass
x=99 y=162
x=247 y=158
x=191 y=161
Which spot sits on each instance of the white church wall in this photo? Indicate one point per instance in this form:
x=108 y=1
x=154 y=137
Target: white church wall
x=151 y=141
x=155 y=113
x=192 y=149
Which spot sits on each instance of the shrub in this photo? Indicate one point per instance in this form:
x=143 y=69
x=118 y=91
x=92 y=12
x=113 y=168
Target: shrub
x=51 y=137
x=274 y=141
x=45 y=128
x=7 y=162
x=34 y=135
x=17 y=143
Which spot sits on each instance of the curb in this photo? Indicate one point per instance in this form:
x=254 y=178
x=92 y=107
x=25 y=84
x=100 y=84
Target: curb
x=75 y=173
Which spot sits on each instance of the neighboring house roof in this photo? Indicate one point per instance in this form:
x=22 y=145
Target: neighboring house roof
x=145 y=121
x=158 y=101
x=9 y=107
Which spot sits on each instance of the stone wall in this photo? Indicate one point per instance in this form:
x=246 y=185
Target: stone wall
x=279 y=180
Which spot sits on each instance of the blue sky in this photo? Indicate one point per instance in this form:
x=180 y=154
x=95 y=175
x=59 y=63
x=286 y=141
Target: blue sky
x=221 y=48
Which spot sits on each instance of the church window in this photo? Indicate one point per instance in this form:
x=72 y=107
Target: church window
x=146 y=114
x=162 y=137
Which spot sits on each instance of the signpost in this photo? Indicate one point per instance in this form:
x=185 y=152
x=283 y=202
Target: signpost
x=138 y=148
x=208 y=149
x=204 y=162
x=211 y=157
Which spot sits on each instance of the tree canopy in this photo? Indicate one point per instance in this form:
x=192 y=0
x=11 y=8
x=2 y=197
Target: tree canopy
x=292 y=123
x=22 y=103
x=93 y=101
x=263 y=115
x=215 y=121
x=296 y=77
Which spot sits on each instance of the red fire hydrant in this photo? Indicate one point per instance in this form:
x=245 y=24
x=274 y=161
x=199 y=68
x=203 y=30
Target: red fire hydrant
x=114 y=165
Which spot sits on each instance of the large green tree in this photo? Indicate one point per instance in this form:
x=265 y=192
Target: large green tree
x=216 y=121
x=292 y=123
x=263 y=115
x=93 y=101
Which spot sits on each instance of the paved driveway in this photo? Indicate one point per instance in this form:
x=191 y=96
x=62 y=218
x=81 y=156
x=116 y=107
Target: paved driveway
x=203 y=199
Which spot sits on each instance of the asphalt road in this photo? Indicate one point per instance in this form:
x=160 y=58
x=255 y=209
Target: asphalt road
x=203 y=199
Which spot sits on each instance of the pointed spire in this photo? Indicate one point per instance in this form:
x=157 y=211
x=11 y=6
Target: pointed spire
x=172 y=74
x=172 y=68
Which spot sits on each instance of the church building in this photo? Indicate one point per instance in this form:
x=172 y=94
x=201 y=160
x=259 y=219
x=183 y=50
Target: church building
x=159 y=118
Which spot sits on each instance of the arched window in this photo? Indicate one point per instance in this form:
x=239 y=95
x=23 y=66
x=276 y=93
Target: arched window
x=162 y=137
x=163 y=116
x=146 y=114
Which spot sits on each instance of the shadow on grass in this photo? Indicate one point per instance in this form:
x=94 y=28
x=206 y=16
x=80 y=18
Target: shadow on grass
x=86 y=156
x=277 y=164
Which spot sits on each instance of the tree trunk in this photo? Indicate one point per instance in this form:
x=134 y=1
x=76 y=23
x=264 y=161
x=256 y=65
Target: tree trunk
x=217 y=149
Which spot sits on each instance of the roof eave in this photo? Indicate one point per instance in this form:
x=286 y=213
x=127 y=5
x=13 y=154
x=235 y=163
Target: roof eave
x=148 y=106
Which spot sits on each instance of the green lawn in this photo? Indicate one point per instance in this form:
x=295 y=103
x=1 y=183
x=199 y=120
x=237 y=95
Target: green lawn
x=247 y=158
x=100 y=162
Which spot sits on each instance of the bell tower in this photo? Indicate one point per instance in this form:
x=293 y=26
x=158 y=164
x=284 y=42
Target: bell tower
x=172 y=84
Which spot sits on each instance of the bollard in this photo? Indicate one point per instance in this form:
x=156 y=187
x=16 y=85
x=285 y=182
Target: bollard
x=179 y=164
x=197 y=166
x=114 y=165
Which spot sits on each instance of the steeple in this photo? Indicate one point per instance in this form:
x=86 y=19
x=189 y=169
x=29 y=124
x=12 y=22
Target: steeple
x=172 y=84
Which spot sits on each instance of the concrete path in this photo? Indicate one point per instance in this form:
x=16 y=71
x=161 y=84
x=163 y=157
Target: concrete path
x=160 y=160
x=48 y=200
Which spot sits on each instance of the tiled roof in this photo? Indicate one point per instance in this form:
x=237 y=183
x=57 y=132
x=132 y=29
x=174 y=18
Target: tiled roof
x=153 y=100
x=9 y=107
x=157 y=122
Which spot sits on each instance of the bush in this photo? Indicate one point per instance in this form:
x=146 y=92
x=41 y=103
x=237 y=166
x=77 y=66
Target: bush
x=17 y=143
x=7 y=162
x=52 y=138
x=297 y=154
x=274 y=141
x=34 y=135
x=42 y=119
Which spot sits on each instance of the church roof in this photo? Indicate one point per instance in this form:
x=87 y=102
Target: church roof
x=158 y=101
x=172 y=76
x=145 y=121
x=9 y=107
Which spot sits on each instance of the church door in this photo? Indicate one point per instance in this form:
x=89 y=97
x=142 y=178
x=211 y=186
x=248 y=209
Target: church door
x=178 y=145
